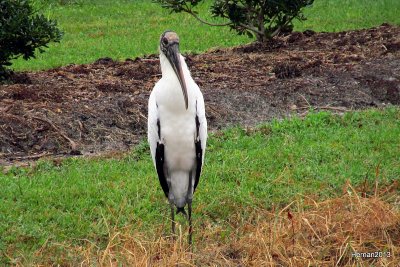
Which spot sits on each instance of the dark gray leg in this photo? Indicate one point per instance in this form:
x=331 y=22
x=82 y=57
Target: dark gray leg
x=173 y=219
x=189 y=197
x=190 y=223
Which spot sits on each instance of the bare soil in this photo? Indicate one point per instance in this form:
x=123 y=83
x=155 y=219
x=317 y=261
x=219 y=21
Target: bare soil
x=102 y=107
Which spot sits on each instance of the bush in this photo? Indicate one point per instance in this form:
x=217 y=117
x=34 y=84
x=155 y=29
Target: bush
x=22 y=31
x=262 y=18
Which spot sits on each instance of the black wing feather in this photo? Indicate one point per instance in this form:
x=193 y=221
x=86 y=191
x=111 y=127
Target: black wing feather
x=199 y=153
x=199 y=160
x=160 y=168
x=160 y=162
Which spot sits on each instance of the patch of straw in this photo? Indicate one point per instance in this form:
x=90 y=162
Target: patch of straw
x=325 y=233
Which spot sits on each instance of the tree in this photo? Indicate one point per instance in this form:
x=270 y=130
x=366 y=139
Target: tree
x=262 y=18
x=22 y=31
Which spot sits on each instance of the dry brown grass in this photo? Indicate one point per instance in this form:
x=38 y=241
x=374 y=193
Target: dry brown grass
x=304 y=233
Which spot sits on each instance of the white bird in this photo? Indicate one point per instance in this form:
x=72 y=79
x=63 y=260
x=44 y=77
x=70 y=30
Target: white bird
x=177 y=129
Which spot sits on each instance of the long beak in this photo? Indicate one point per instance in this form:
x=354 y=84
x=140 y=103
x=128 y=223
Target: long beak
x=174 y=58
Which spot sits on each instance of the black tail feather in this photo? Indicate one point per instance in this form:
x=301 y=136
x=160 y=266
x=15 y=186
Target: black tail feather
x=181 y=210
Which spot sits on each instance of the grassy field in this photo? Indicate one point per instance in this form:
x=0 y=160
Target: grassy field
x=54 y=206
x=63 y=212
x=126 y=29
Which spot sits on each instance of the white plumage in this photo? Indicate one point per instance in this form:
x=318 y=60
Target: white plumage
x=174 y=128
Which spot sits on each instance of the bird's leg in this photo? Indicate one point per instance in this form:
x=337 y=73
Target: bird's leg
x=189 y=198
x=190 y=222
x=173 y=219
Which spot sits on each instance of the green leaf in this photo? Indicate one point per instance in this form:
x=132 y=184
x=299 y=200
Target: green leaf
x=23 y=31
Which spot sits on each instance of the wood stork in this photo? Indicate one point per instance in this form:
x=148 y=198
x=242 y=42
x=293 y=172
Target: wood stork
x=177 y=129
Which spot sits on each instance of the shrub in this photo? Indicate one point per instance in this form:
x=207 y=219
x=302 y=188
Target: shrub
x=22 y=31
x=262 y=18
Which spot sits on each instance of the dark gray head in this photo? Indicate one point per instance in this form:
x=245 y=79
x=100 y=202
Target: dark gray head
x=168 y=39
x=169 y=46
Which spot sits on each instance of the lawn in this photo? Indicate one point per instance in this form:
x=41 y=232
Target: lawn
x=126 y=29
x=56 y=205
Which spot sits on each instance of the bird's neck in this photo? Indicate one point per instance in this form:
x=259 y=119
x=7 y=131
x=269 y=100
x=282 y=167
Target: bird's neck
x=167 y=70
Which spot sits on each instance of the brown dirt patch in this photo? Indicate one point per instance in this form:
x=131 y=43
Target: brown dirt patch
x=100 y=107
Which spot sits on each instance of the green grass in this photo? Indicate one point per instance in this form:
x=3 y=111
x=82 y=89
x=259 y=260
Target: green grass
x=340 y=15
x=126 y=29
x=271 y=165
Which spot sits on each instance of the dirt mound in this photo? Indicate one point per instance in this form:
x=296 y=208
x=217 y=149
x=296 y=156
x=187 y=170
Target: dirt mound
x=84 y=109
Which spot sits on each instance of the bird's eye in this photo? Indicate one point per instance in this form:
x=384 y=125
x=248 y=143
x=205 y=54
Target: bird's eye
x=165 y=41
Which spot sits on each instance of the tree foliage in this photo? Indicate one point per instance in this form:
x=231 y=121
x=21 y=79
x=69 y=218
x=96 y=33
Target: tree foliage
x=262 y=18
x=22 y=31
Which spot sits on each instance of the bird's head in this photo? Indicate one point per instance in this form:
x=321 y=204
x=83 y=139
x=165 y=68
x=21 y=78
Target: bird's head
x=169 y=46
